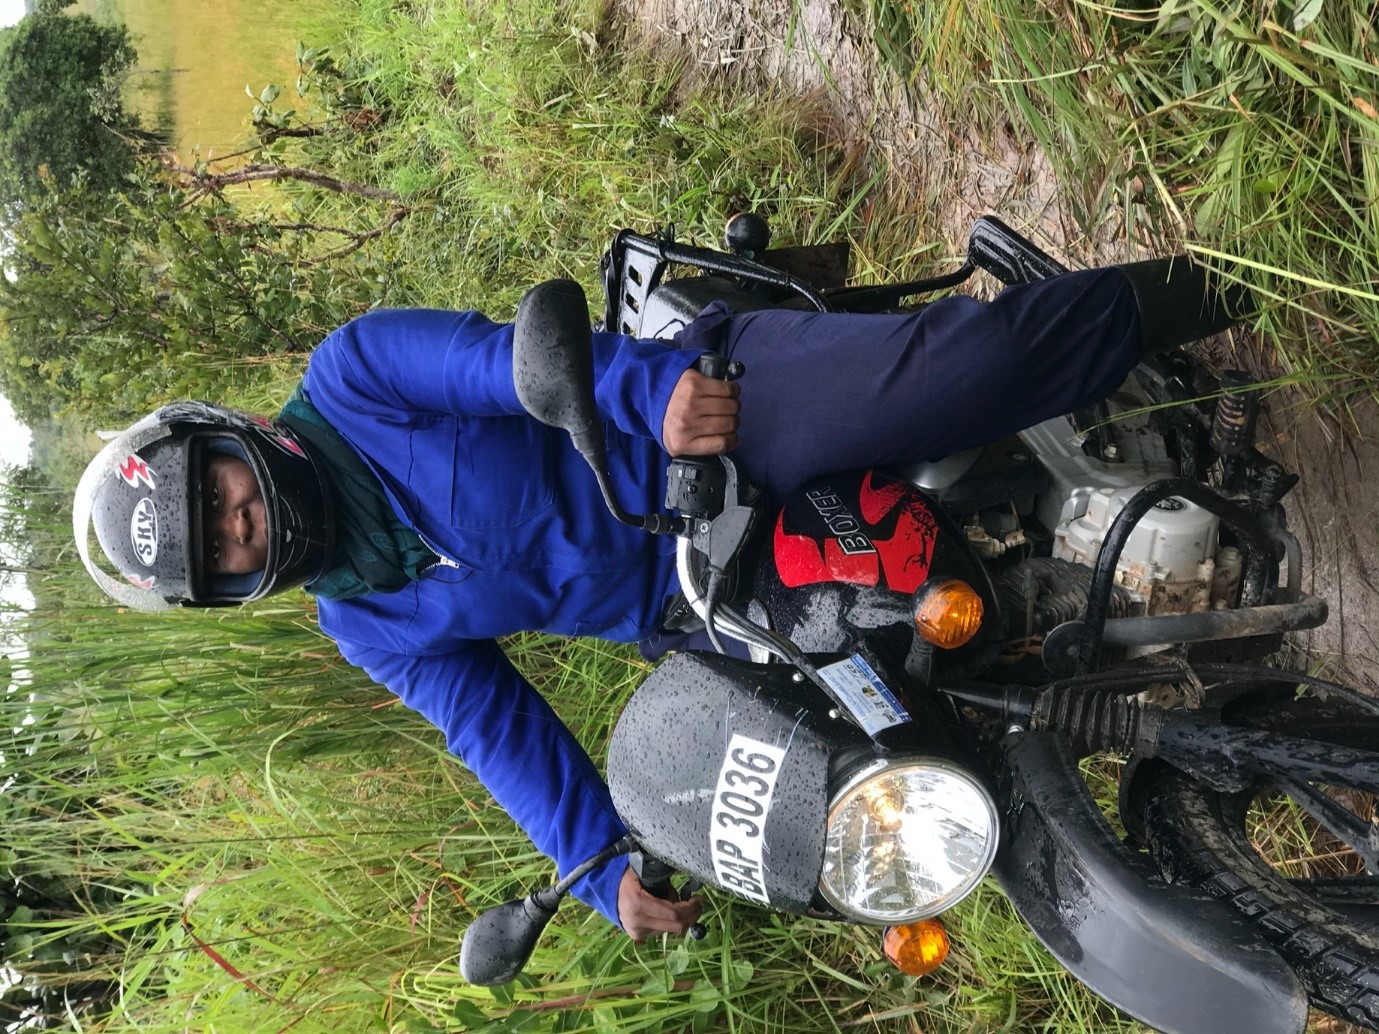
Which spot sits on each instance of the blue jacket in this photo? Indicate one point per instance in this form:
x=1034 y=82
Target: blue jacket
x=426 y=398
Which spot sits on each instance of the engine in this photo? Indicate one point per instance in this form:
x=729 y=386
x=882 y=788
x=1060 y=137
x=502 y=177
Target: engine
x=1038 y=507
x=1172 y=562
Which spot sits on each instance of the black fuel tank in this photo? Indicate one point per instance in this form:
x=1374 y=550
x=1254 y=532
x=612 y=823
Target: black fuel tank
x=847 y=553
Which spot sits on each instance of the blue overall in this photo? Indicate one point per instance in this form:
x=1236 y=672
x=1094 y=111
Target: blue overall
x=426 y=398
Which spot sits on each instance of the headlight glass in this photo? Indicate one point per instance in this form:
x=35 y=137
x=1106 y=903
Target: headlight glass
x=907 y=839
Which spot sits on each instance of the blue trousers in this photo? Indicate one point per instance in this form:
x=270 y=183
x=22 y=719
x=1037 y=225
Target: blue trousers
x=825 y=392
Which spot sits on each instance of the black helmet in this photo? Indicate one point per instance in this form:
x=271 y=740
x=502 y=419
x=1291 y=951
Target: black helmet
x=142 y=495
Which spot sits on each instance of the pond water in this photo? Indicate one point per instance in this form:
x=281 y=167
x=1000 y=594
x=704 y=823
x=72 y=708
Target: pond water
x=197 y=56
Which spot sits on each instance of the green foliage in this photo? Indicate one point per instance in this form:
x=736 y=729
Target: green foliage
x=1245 y=132
x=33 y=536
x=1264 y=137
x=177 y=281
x=345 y=96
x=534 y=135
x=60 y=109
x=449 y=160
x=120 y=301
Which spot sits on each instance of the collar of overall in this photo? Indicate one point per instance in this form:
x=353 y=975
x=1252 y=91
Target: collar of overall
x=374 y=550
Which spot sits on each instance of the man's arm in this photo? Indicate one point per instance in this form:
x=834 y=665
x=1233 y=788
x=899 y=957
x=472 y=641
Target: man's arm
x=430 y=360
x=508 y=736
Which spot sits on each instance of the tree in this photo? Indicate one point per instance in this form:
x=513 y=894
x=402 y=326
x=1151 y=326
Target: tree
x=60 y=110
x=115 y=301
x=165 y=286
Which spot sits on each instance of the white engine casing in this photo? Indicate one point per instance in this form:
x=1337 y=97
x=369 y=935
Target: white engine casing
x=1170 y=558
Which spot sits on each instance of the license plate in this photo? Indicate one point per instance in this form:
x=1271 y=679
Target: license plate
x=737 y=821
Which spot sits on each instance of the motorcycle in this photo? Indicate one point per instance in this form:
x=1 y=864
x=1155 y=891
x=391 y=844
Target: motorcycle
x=909 y=666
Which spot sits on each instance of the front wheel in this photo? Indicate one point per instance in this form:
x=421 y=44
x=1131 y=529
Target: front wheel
x=1297 y=861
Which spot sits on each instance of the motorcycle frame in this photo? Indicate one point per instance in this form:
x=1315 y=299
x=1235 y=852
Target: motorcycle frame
x=1115 y=925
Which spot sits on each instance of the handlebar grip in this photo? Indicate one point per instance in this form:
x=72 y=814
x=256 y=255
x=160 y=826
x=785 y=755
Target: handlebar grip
x=654 y=876
x=719 y=367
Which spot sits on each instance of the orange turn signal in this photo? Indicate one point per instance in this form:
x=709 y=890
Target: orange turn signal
x=917 y=948
x=948 y=614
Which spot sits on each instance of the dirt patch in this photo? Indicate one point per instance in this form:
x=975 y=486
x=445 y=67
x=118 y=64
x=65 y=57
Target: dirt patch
x=1334 y=511
x=815 y=47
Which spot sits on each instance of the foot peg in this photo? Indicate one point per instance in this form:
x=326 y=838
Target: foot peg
x=1009 y=257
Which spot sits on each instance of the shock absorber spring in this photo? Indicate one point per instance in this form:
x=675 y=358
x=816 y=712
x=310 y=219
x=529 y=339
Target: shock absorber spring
x=1235 y=416
x=1274 y=484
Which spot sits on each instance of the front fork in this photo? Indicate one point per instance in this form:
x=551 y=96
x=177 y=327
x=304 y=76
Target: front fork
x=1102 y=713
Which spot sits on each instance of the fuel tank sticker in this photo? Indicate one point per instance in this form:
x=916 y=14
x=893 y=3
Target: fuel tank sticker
x=818 y=537
x=867 y=698
x=737 y=820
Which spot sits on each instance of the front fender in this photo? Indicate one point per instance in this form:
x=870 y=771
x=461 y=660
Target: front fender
x=1172 y=957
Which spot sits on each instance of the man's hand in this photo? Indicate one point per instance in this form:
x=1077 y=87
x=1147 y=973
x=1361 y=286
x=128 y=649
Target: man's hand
x=701 y=417
x=642 y=914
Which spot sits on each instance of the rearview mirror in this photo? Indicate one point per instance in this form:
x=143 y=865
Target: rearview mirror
x=553 y=362
x=498 y=943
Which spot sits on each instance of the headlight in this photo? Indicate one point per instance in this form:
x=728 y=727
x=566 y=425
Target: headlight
x=906 y=839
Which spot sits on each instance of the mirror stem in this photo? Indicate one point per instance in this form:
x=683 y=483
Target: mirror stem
x=621 y=846
x=655 y=523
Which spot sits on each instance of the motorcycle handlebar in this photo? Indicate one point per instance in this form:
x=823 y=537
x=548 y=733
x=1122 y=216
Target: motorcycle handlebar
x=654 y=876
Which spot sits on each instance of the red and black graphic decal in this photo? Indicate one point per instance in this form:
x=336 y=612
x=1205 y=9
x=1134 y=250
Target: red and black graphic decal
x=135 y=472
x=864 y=529
x=275 y=435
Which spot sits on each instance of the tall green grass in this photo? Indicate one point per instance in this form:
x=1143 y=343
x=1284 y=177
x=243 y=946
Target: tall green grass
x=1245 y=132
x=262 y=840
x=529 y=135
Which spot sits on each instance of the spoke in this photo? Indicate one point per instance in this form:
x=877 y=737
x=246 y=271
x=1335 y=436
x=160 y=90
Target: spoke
x=1360 y=836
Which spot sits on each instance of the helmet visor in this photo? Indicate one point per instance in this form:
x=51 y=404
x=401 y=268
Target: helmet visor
x=209 y=586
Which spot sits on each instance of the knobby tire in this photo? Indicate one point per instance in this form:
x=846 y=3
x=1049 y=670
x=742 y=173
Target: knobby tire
x=1197 y=836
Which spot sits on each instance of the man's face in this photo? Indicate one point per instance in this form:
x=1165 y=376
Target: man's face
x=235 y=536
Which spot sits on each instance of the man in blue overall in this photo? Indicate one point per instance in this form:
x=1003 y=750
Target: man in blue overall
x=404 y=485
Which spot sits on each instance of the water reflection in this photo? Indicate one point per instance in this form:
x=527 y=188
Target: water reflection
x=196 y=57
